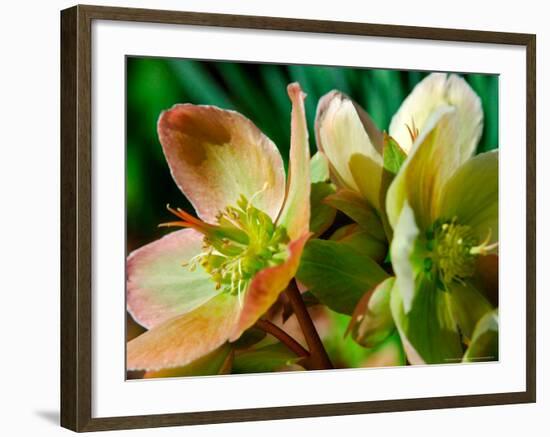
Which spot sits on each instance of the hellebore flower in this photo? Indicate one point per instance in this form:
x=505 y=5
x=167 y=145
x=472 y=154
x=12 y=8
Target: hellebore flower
x=197 y=288
x=363 y=160
x=443 y=208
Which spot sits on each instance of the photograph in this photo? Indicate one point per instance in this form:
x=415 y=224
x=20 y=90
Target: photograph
x=284 y=218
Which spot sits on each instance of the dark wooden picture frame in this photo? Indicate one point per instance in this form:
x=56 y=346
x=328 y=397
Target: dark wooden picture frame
x=76 y=217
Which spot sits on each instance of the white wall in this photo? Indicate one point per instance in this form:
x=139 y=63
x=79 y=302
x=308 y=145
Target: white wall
x=29 y=218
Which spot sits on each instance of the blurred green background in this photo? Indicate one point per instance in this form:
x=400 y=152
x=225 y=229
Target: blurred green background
x=259 y=92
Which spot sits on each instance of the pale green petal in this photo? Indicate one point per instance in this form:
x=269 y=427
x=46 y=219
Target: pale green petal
x=371 y=322
x=471 y=195
x=432 y=161
x=428 y=330
x=484 y=345
x=343 y=131
x=436 y=90
x=404 y=258
x=159 y=286
x=319 y=168
x=468 y=306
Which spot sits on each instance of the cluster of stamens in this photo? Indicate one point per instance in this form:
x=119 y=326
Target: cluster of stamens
x=243 y=242
x=453 y=249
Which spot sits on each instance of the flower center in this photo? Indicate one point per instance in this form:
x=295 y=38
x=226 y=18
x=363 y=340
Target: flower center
x=244 y=241
x=454 y=249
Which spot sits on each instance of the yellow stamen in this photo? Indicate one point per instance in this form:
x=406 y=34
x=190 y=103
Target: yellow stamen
x=413 y=130
x=484 y=248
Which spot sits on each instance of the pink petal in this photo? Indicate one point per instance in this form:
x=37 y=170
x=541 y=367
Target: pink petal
x=216 y=155
x=266 y=287
x=296 y=211
x=185 y=338
x=159 y=287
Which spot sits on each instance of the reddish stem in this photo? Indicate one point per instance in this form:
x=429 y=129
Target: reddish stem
x=283 y=337
x=319 y=358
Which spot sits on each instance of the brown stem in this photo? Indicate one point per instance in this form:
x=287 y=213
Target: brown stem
x=283 y=337
x=319 y=358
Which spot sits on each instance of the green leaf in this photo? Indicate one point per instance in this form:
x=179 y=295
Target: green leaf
x=338 y=274
x=358 y=209
x=217 y=362
x=394 y=156
x=356 y=237
x=249 y=338
x=265 y=359
x=484 y=345
x=372 y=322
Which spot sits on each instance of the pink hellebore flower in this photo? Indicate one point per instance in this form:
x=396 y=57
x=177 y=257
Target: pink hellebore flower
x=199 y=287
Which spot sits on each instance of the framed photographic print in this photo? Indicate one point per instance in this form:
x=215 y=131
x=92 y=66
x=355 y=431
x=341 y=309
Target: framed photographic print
x=267 y=218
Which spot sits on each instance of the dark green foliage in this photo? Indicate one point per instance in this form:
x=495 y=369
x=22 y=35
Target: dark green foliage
x=259 y=92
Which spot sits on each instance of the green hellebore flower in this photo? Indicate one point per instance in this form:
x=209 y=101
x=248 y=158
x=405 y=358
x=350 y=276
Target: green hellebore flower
x=363 y=163
x=443 y=208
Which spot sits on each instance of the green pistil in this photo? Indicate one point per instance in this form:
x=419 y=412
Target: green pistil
x=244 y=242
x=452 y=252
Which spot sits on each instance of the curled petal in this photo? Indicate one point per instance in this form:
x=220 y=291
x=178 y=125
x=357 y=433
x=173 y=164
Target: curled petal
x=422 y=177
x=266 y=287
x=436 y=90
x=468 y=305
x=185 y=338
x=159 y=286
x=296 y=210
x=405 y=264
x=371 y=322
x=345 y=131
x=484 y=344
x=216 y=155
x=471 y=195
